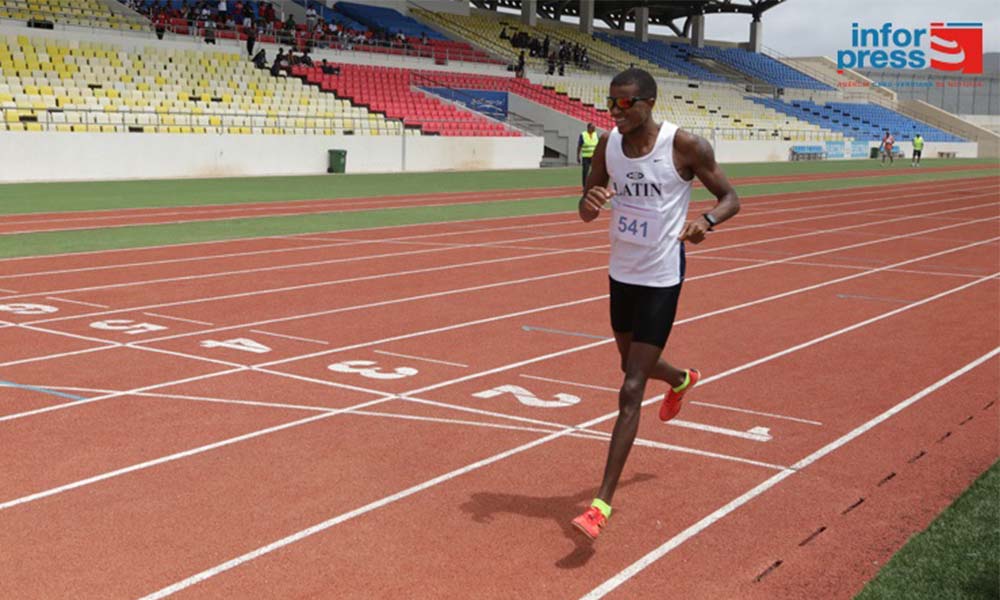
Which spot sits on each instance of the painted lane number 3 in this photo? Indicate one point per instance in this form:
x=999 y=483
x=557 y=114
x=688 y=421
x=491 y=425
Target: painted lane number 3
x=368 y=368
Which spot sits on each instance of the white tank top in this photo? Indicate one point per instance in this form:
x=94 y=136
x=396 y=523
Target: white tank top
x=648 y=210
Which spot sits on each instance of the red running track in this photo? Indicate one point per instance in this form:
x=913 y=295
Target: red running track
x=211 y=470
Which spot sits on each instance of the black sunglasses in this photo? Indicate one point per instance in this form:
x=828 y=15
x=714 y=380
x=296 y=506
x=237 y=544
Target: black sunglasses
x=623 y=102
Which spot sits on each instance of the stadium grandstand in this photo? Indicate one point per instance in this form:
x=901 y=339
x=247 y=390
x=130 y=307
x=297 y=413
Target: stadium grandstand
x=372 y=299
x=493 y=71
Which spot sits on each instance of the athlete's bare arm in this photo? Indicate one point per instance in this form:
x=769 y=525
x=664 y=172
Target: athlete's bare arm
x=695 y=158
x=596 y=193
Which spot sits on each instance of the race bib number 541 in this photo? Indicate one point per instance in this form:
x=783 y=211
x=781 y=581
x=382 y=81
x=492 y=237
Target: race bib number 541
x=635 y=225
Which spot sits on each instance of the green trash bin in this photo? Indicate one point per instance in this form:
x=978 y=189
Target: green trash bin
x=337 y=161
x=873 y=153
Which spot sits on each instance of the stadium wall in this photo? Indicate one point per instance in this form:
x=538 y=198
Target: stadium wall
x=741 y=151
x=44 y=156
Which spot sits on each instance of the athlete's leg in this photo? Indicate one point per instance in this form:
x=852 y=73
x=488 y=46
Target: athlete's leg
x=662 y=370
x=641 y=359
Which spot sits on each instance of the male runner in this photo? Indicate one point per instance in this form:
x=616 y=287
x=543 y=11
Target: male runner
x=650 y=166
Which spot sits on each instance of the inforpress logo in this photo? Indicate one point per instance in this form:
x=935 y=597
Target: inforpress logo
x=950 y=46
x=959 y=47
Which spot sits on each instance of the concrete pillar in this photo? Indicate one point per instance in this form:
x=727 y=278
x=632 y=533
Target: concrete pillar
x=698 y=31
x=642 y=23
x=587 y=16
x=756 y=34
x=529 y=12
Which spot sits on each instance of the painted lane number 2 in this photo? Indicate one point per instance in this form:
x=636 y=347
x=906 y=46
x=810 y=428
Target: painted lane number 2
x=368 y=368
x=127 y=326
x=527 y=398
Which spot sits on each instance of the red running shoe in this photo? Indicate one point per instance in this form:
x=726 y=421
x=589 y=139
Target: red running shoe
x=591 y=522
x=672 y=400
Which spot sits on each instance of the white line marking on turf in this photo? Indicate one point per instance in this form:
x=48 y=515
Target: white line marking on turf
x=196 y=322
x=77 y=302
x=633 y=569
x=290 y=337
x=430 y=360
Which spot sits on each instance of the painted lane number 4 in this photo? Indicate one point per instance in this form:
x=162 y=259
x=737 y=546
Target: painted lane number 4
x=368 y=368
x=527 y=398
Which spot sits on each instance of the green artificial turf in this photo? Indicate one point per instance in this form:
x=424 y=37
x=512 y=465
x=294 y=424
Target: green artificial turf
x=958 y=556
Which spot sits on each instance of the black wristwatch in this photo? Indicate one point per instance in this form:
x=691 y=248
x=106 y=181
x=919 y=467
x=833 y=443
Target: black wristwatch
x=712 y=221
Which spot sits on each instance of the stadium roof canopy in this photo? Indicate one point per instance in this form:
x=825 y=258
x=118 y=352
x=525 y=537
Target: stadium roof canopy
x=661 y=12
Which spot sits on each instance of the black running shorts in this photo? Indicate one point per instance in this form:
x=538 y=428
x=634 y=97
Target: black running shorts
x=645 y=312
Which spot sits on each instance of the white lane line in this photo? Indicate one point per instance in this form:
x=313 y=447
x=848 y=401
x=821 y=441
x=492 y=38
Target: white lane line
x=329 y=283
x=319 y=527
x=46 y=357
x=851 y=267
x=755 y=434
x=77 y=302
x=430 y=360
x=477 y=263
x=46 y=409
x=180 y=455
x=602 y=388
x=802 y=197
x=6 y=291
x=716 y=274
x=355 y=259
x=693 y=403
x=874 y=298
x=636 y=567
x=290 y=337
x=196 y=322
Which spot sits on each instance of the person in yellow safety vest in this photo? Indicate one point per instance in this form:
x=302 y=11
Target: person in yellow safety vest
x=918 y=149
x=585 y=149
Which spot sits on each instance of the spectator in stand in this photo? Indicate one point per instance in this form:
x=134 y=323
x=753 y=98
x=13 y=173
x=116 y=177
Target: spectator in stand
x=161 y=24
x=520 y=65
x=260 y=59
x=222 y=10
x=280 y=63
x=251 y=39
x=247 y=16
x=210 y=32
x=310 y=15
x=552 y=64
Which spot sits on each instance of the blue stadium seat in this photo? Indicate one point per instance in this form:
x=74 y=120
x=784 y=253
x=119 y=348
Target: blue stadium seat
x=859 y=121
